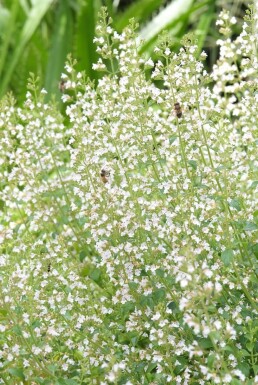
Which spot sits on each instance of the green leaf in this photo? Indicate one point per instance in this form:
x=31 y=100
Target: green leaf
x=133 y=285
x=203 y=26
x=17 y=330
x=227 y=256
x=250 y=346
x=205 y=343
x=245 y=368
x=255 y=249
x=158 y=296
x=160 y=273
x=170 y=16
x=17 y=372
x=236 y=204
x=193 y=164
x=250 y=226
x=86 y=270
x=95 y=275
x=127 y=308
x=151 y=367
x=7 y=28
x=60 y=44
x=52 y=368
x=66 y=381
x=255 y=368
x=3 y=312
x=140 y=10
x=82 y=255
x=172 y=139
x=210 y=360
x=173 y=306
x=236 y=382
x=37 y=12
x=139 y=368
x=85 y=49
x=254 y=184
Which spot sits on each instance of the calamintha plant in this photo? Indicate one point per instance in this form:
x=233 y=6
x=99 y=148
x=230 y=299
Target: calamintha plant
x=129 y=230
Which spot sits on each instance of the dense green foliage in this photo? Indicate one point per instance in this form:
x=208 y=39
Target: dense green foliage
x=37 y=37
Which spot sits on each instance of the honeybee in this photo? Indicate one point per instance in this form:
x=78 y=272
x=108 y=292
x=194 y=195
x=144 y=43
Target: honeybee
x=178 y=110
x=49 y=267
x=104 y=174
x=61 y=85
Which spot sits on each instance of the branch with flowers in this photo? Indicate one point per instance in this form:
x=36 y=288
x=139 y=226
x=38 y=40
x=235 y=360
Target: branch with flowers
x=129 y=226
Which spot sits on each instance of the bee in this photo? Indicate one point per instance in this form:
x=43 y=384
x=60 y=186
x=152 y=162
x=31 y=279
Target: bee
x=62 y=85
x=178 y=110
x=104 y=174
x=49 y=267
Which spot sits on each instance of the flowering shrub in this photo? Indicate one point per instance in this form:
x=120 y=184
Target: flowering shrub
x=129 y=229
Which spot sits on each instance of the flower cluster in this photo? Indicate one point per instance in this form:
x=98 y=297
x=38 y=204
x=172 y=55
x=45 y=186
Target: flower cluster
x=129 y=234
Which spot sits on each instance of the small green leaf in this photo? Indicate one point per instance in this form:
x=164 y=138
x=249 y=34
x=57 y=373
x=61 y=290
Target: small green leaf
x=255 y=249
x=172 y=139
x=235 y=204
x=140 y=367
x=236 y=382
x=255 y=368
x=210 y=360
x=52 y=368
x=254 y=184
x=250 y=346
x=17 y=330
x=158 y=296
x=35 y=324
x=95 y=275
x=160 y=273
x=3 y=312
x=172 y=306
x=82 y=255
x=227 y=256
x=17 y=372
x=250 y=226
x=86 y=270
x=151 y=367
x=245 y=368
x=205 y=343
x=127 y=308
x=66 y=381
x=133 y=285
x=193 y=164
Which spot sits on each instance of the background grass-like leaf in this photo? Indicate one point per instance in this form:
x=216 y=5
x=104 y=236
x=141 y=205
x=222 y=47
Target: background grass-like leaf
x=60 y=44
x=37 y=12
x=85 y=50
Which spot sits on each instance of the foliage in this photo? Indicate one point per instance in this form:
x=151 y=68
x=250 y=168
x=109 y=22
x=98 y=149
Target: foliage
x=37 y=37
x=129 y=235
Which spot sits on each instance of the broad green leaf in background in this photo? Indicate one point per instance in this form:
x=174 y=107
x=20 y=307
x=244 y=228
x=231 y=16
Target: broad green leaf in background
x=203 y=26
x=37 y=12
x=140 y=10
x=7 y=27
x=85 y=50
x=171 y=17
x=60 y=45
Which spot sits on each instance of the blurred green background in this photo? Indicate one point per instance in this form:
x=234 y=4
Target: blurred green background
x=37 y=35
